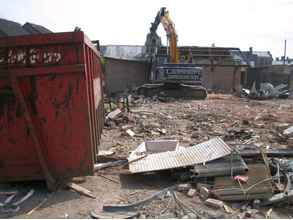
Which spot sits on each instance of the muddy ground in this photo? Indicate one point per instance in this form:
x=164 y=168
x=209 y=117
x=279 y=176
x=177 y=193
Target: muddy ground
x=234 y=119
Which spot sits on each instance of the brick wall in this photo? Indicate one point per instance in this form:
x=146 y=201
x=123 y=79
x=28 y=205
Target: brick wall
x=224 y=79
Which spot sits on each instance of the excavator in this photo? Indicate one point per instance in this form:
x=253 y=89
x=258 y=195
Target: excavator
x=170 y=78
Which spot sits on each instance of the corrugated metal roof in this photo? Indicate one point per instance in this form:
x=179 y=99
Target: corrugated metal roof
x=124 y=52
x=200 y=153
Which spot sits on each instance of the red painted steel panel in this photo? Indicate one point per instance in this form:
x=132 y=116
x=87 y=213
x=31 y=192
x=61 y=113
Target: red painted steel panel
x=60 y=78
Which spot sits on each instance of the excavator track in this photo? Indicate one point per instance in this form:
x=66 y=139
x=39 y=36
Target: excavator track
x=182 y=91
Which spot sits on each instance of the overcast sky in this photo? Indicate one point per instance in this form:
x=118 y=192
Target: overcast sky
x=262 y=24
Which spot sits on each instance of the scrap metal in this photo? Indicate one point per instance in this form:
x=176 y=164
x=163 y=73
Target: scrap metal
x=221 y=167
x=133 y=206
x=258 y=186
x=266 y=91
x=200 y=153
x=288 y=131
x=278 y=198
x=253 y=151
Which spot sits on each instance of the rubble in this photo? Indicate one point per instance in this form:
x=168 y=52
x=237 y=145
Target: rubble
x=201 y=153
x=241 y=174
x=160 y=128
x=183 y=187
x=214 y=203
x=114 y=114
x=37 y=207
x=11 y=204
x=101 y=166
x=191 y=192
x=203 y=192
x=266 y=91
x=81 y=190
x=114 y=215
x=221 y=167
x=258 y=186
x=130 y=133
x=288 y=132
x=290 y=142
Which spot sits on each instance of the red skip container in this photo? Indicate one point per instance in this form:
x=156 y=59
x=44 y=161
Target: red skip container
x=51 y=107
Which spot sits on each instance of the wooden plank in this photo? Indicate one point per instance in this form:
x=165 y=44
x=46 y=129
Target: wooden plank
x=81 y=190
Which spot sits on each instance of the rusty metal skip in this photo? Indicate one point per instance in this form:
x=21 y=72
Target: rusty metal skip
x=51 y=182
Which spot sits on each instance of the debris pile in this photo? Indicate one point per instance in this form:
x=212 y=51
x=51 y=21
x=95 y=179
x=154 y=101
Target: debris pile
x=216 y=175
x=225 y=157
x=234 y=170
x=12 y=201
x=266 y=91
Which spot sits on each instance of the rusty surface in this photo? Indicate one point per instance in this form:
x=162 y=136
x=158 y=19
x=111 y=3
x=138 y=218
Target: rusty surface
x=201 y=153
x=227 y=189
x=60 y=78
x=37 y=144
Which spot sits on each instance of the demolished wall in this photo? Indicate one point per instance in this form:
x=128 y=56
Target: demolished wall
x=275 y=74
x=122 y=74
x=224 y=79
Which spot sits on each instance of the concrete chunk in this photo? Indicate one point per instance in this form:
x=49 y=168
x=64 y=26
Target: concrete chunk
x=112 y=115
x=184 y=187
x=191 y=192
x=130 y=133
x=290 y=142
x=204 y=193
x=214 y=203
x=157 y=146
x=288 y=131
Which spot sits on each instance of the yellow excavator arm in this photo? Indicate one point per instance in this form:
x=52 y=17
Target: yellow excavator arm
x=151 y=43
x=171 y=36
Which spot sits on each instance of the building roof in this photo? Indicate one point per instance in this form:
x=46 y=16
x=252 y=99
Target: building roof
x=262 y=54
x=281 y=62
x=259 y=54
x=258 y=58
x=11 y=28
x=137 y=52
x=238 y=57
x=35 y=28
x=124 y=52
x=204 y=55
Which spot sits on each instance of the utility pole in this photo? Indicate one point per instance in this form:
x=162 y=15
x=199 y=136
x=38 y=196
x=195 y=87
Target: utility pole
x=285 y=48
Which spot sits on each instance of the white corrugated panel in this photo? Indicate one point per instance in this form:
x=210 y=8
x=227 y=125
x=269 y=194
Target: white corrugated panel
x=201 y=153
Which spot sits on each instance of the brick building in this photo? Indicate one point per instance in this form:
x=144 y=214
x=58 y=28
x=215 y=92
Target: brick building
x=125 y=67
x=224 y=69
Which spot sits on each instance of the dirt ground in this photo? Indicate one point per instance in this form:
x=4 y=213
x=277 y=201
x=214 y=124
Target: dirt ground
x=190 y=122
